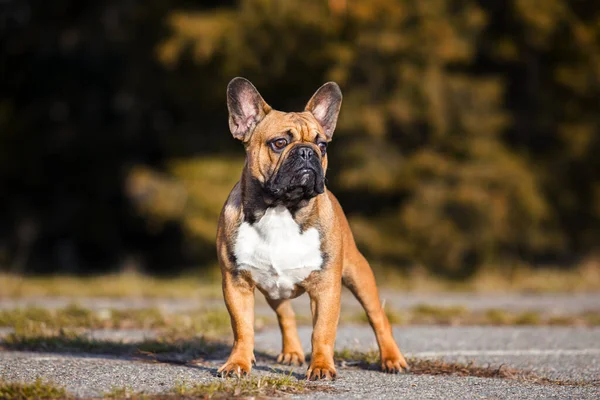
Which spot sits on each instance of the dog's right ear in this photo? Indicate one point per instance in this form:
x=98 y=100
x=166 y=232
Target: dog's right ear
x=246 y=108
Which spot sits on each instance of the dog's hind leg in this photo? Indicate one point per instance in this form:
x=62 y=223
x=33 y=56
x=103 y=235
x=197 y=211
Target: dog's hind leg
x=358 y=277
x=291 y=353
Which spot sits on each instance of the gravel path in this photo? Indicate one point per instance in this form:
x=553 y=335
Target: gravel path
x=89 y=376
x=564 y=353
x=560 y=353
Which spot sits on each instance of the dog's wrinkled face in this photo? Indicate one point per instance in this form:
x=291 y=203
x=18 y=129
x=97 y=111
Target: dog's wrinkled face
x=286 y=152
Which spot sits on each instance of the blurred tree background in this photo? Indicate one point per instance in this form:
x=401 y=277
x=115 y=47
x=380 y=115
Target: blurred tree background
x=466 y=138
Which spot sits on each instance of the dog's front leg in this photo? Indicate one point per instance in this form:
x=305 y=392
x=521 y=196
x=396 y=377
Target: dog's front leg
x=325 y=306
x=239 y=298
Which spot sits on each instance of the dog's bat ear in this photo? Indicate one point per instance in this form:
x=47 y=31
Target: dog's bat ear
x=246 y=108
x=325 y=106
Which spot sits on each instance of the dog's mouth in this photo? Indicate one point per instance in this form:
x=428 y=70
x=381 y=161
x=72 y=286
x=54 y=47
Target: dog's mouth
x=292 y=186
x=304 y=177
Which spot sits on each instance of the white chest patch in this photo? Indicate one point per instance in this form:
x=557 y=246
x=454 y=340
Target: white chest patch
x=276 y=253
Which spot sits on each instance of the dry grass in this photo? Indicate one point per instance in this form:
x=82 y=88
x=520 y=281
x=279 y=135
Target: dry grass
x=211 y=322
x=61 y=341
x=347 y=357
x=172 y=346
x=370 y=360
x=247 y=387
x=520 y=279
x=206 y=285
x=266 y=386
x=118 y=285
x=206 y=321
x=260 y=387
x=164 y=349
x=439 y=367
x=424 y=314
x=32 y=321
x=74 y=316
x=35 y=390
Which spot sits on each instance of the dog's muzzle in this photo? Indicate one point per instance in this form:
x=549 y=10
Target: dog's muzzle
x=300 y=177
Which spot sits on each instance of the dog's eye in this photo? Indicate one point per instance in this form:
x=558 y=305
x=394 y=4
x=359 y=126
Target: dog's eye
x=278 y=144
x=322 y=147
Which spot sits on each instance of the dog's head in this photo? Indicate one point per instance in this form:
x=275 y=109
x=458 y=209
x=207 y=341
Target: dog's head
x=286 y=153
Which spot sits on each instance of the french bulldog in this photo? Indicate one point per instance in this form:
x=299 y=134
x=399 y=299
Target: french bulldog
x=282 y=232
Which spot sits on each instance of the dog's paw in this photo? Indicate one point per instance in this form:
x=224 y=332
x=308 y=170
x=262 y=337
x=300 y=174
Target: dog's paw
x=394 y=364
x=291 y=358
x=235 y=366
x=321 y=370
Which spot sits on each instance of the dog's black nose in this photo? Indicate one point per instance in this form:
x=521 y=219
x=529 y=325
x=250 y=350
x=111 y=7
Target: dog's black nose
x=305 y=152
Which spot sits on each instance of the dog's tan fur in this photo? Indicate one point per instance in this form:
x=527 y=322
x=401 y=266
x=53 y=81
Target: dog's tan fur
x=344 y=263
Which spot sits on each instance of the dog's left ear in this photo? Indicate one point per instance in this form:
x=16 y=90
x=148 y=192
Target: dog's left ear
x=325 y=106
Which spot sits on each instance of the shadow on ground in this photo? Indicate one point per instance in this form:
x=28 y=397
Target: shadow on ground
x=189 y=351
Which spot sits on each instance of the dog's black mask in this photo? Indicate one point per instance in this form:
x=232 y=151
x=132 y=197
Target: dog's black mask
x=300 y=177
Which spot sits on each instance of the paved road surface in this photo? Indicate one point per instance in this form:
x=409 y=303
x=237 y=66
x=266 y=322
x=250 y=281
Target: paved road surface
x=560 y=353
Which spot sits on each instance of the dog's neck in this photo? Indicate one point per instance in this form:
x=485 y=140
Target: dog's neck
x=256 y=201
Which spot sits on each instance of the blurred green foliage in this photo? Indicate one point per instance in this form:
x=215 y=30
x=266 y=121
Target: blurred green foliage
x=467 y=135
